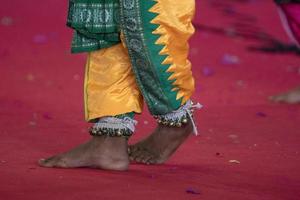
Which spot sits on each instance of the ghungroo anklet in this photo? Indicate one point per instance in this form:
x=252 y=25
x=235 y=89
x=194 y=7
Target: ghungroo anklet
x=180 y=117
x=113 y=127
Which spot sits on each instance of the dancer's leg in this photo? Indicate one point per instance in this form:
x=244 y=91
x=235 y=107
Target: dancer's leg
x=156 y=34
x=110 y=90
x=290 y=17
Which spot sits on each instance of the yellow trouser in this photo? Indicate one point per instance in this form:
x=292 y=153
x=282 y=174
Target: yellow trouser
x=110 y=84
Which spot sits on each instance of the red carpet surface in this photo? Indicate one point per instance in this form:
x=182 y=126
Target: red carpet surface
x=248 y=148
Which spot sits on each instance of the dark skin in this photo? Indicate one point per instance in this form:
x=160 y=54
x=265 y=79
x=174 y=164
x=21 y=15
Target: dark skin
x=112 y=153
x=158 y=147
x=101 y=152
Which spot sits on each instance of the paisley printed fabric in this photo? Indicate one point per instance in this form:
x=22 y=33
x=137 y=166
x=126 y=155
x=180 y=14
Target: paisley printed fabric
x=95 y=24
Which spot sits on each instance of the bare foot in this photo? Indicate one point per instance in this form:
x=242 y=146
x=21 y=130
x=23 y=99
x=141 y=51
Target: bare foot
x=291 y=97
x=100 y=152
x=160 y=145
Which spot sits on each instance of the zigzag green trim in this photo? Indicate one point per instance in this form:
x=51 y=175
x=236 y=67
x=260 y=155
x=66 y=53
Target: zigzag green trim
x=150 y=73
x=155 y=49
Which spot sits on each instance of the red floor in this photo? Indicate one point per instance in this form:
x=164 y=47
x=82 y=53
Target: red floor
x=41 y=111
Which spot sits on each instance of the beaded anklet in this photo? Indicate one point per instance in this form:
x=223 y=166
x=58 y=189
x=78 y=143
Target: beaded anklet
x=113 y=127
x=180 y=117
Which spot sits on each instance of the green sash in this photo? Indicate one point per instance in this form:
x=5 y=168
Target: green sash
x=95 y=24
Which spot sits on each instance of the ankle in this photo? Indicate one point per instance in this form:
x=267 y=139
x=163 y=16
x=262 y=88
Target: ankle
x=109 y=140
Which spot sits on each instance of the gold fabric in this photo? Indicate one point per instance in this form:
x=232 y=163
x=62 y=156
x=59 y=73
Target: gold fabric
x=110 y=87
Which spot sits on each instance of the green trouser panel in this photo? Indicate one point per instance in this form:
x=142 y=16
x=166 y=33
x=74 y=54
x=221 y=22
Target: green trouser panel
x=151 y=74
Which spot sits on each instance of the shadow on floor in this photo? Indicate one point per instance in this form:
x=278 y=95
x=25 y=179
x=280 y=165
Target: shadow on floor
x=243 y=25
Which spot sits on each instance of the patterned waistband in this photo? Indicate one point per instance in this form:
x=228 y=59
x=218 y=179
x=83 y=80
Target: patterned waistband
x=95 y=22
x=94 y=16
